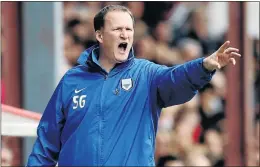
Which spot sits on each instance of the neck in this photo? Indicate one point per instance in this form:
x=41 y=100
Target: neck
x=105 y=62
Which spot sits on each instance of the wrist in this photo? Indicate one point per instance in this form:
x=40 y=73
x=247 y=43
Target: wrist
x=207 y=67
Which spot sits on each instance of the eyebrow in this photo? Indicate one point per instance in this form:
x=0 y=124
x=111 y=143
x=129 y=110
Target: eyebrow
x=122 y=27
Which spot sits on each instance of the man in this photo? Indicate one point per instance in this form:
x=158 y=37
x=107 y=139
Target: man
x=104 y=112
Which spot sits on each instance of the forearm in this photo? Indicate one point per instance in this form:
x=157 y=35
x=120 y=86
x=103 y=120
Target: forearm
x=178 y=85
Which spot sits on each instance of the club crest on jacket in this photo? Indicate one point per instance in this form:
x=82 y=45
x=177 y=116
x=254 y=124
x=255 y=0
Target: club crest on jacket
x=127 y=84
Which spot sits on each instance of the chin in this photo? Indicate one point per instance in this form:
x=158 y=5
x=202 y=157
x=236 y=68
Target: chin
x=121 y=58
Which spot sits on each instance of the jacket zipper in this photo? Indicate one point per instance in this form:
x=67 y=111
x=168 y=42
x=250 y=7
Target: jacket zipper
x=101 y=126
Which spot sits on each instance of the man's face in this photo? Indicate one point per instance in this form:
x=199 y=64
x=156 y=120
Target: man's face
x=117 y=36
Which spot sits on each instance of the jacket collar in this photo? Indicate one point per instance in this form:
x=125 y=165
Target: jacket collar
x=87 y=58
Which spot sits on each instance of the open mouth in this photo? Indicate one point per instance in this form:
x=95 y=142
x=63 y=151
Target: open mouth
x=122 y=46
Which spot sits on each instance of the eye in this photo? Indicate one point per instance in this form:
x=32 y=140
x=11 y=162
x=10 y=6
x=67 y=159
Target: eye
x=116 y=29
x=129 y=29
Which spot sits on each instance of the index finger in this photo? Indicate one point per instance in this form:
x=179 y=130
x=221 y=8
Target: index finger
x=224 y=46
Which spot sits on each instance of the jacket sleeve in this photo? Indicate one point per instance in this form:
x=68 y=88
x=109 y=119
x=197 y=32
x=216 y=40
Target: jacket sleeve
x=47 y=145
x=179 y=84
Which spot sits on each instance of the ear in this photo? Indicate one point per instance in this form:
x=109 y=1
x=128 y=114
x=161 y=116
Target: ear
x=99 y=36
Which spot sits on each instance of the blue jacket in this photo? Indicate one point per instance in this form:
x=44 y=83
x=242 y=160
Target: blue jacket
x=96 y=118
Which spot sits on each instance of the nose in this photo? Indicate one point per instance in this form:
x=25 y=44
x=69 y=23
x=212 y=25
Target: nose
x=123 y=34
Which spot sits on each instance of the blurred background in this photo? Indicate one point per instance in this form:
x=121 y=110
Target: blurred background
x=220 y=126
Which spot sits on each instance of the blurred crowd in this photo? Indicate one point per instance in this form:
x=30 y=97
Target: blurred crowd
x=165 y=32
x=169 y=33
